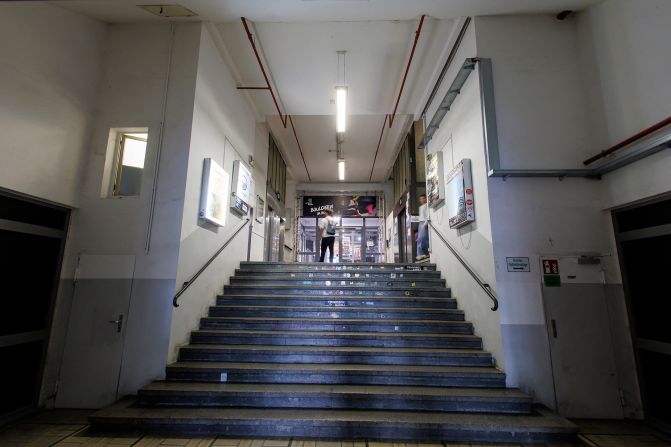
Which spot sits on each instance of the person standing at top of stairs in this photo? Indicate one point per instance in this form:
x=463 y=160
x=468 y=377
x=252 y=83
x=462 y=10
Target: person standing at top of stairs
x=423 y=230
x=327 y=226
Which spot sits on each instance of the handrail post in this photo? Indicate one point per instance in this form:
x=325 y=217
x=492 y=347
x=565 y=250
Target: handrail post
x=485 y=286
x=209 y=261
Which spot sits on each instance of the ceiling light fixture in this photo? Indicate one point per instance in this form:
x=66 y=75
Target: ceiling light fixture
x=341 y=108
x=340 y=156
x=341 y=94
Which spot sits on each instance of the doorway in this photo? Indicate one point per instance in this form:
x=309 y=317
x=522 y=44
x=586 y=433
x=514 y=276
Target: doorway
x=274 y=236
x=582 y=357
x=93 y=353
x=643 y=235
x=358 y=239
x=32 y=237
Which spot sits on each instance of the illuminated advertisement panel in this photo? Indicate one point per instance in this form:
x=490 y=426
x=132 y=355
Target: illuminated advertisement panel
x=242 y=186
x=435 y=191
x=459 y=191
x=214 y=193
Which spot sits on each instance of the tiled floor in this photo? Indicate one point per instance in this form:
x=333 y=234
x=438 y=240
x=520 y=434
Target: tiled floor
x=70 y=428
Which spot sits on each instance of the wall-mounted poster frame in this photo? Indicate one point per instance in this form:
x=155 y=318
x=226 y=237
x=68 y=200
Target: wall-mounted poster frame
x=459 y=191
x=241 y=189
x=214 y=193
x=260 y=209
x=435 y=191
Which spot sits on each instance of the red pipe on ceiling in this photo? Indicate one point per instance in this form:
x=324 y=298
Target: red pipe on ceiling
x=390 y=118
x=268 y=87
x=620 y=145
x=407 y=69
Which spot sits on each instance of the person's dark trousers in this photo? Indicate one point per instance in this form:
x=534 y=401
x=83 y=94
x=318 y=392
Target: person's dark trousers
x=327 y=242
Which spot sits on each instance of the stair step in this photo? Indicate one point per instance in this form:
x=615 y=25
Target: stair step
x=333 y=373
x=312 y=338
x=365 y=397
x=541 y=426
x=336 y=290
x=335 y=354
x=335 y=313
x=339 y=301
x=340 y=325
x=278 y=266
x=343 y=273
x=332 y=282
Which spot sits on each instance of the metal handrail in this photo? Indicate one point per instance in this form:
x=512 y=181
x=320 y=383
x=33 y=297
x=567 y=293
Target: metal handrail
x=202 y=269
x=486 y=287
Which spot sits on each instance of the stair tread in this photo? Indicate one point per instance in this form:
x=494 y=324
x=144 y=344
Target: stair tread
x=343 y=297
x=348 y=308
x=336 y=334
x=332 y=264
x=343 y=270
x=323 y=349
x=358 y=278
x=338 y=320
x=389 y=390
x=339 y=368
x=316 y=286
x=542 y=420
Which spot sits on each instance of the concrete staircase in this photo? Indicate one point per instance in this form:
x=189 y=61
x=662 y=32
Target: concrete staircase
x=376 y=351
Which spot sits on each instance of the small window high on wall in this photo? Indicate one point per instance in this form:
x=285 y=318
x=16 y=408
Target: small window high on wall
x=132 y=150
x=125 y=162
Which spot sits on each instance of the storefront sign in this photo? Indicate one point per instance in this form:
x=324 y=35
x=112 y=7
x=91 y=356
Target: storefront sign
x=344 y=206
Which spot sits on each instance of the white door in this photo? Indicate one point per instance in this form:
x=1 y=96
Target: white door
x=581 y=347
x=89 y=376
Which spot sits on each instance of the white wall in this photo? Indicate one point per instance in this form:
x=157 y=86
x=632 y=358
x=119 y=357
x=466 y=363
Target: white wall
x=131 y=95
x=459 y=136
x=50 y=67
x=545 y=120
x=225 y=130
x=628 y=62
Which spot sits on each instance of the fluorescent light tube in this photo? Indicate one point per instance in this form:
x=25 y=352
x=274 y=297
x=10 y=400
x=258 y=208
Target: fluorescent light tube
x=341 y=169
x=341 y=108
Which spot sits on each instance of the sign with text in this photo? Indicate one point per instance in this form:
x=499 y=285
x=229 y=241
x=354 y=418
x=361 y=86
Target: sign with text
x=551 y=276
x=460 y=204
x=550 y=267
x=341 y=205
x=242 y=186
x=518 y=264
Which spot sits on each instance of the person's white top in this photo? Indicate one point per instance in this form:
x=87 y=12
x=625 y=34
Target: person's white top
x=323 y=223
x=423 y=213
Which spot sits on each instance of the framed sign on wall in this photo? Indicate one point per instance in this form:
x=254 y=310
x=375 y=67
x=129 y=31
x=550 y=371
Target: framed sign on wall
x=214 y=193
x=260 y=209
x=242 y=186
x=459 y=192
x=435 y=189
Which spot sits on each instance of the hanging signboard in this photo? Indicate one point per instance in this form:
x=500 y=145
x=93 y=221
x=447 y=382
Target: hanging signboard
x=459 y=195
x=341 y=205
x=435 y=191
x=214 y=193
x=242 y=185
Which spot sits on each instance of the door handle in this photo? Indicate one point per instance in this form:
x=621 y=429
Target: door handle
x=118 y=322
x=554 y=328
